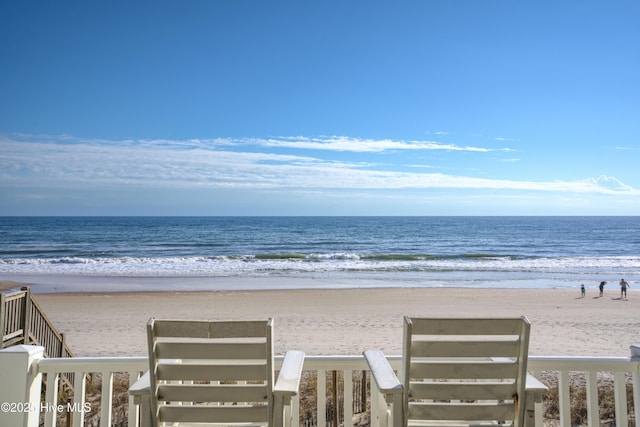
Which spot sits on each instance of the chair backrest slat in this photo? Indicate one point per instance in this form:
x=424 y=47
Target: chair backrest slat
x=221 y=393
x=210 y=350
x=476 y=412
x=465 y=369
x=461 y=390
x=461 y=370
x=475 y=348
x=466 y=326
x=206 y=372
x=210 y=329
x=205 y=414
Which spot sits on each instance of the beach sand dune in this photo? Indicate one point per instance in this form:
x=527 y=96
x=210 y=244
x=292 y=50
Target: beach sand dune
x=348 y=321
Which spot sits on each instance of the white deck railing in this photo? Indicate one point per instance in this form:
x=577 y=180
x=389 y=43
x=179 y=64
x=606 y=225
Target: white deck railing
x=25 y=368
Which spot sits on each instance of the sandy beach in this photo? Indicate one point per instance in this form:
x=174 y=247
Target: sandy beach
x=348 y=321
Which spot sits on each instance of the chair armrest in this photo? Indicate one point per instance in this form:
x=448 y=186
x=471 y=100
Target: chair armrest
x=288 y=381
x=141 y=388
x=533 y=387
x=533 y=390
x=382 y=373
x=140 y=391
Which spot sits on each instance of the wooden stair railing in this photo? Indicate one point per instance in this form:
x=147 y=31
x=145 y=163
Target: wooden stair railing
x=23 y=321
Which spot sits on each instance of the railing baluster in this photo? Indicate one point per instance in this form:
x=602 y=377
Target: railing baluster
x=347 y=405
x=563 y=398
x=620 y=396
x=132 y=419
x=363 y=392
x=593 y=416
x=3 y=317
x=107 y=399
x=635 y=378
x=378 y=407
x=295 y=409
x=51 y=399
x=26 y=321
x=79 y=391
x=321 y=398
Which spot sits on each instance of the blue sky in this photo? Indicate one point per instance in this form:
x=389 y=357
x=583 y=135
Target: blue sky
x=320 y=108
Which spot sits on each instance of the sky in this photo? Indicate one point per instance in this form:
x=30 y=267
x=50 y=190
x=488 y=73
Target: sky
x=246 y=107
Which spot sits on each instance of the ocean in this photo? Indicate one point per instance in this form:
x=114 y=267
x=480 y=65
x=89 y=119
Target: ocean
x=186 y=253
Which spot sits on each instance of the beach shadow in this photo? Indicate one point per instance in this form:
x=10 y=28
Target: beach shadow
x=598 y=297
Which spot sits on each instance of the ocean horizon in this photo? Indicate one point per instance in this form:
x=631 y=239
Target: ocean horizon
x=58 y=254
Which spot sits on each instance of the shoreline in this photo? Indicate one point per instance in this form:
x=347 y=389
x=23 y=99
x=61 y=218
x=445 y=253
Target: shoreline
x=108 y=284
x=348 y=321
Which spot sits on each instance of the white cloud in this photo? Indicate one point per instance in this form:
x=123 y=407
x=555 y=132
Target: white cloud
x=204 y=164
x=325 y=143
x=342 y=143
x=612 y=183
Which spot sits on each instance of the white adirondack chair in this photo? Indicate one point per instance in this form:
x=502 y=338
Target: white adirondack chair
x=460 y=372
x=215 y=373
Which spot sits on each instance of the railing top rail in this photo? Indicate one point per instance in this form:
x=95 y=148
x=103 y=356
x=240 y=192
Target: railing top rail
x=92 y=364
x=569 y=363
x=343 y=362
x=581 y=358
x=12 y=293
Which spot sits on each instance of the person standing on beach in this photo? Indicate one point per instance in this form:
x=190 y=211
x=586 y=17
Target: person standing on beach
x=602 y=287
x=582 y=290
x=623 y=288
